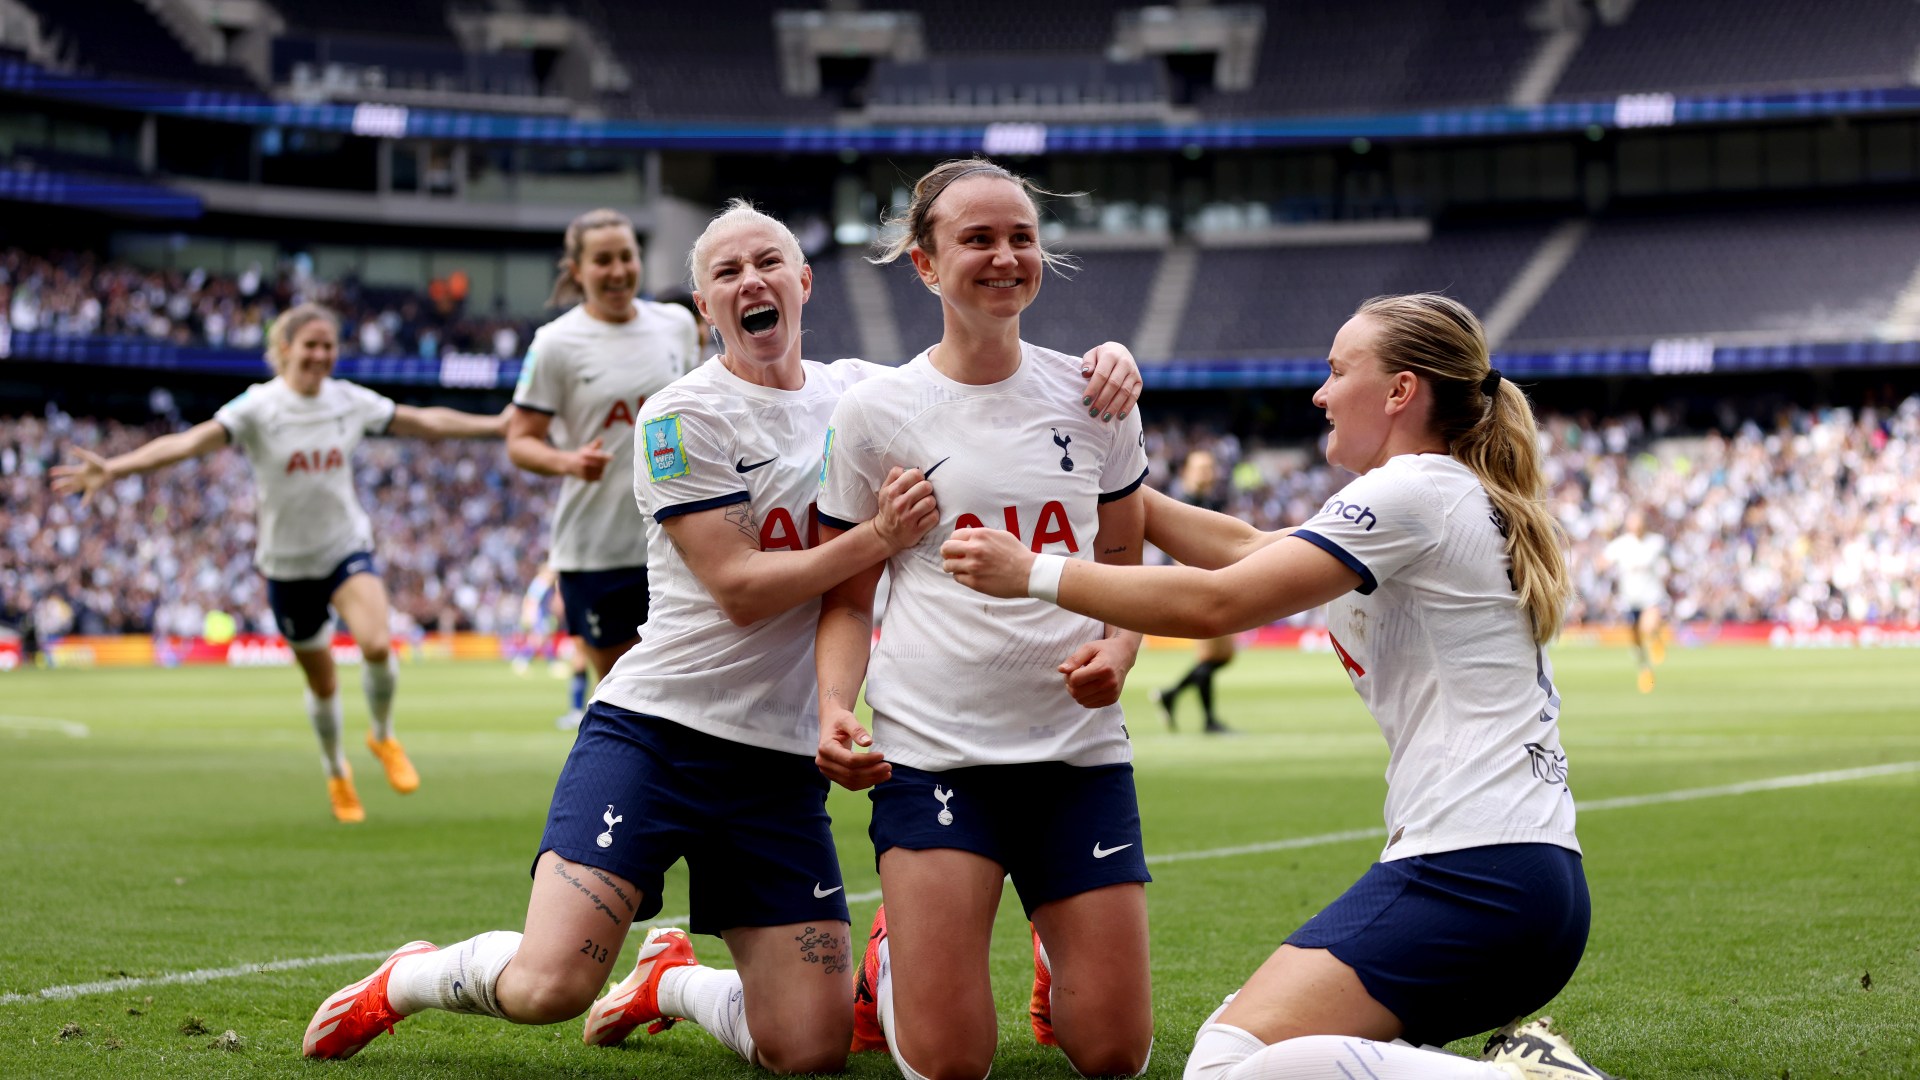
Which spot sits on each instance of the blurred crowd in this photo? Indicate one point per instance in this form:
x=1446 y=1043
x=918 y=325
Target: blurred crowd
x=1812 y=517
x=79 y=294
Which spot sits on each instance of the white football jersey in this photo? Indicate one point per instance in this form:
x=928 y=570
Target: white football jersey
x=1640 y=568
x=960 y=678
x=712 y=440
x=594 y=379
x=301 y=450
x=1442 y=653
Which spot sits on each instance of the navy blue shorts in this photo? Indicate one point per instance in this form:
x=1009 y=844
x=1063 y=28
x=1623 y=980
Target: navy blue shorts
x=638 y=793
x=302 y=607
x=1058 y=830
x=1459 y=942
x=605 y=607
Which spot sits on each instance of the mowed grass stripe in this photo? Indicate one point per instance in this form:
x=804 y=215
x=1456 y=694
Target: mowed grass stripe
x=1775 y=783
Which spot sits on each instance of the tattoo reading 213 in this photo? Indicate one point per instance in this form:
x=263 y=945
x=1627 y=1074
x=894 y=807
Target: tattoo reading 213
x=824 y=947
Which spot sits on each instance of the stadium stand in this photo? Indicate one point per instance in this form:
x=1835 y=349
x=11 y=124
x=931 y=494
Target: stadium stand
x=1806 y=273
x=702 y=62
x=114 y=37
x=1263 y=301
x=1764 y=44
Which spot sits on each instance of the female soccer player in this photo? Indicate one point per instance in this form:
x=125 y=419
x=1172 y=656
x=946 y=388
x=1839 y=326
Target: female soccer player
x=586 y=380
x=299 y=432
x=1201 y=485
x=1445 y=578
x=1004 y=748
x=701 y=744
x=1638 y=559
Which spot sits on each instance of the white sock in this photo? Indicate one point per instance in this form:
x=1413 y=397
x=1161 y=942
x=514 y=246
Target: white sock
x=378 y=680
x=1225 y=1052
x=883 y=1003
x=325 y=714
x=462 y=978
x=713 y=999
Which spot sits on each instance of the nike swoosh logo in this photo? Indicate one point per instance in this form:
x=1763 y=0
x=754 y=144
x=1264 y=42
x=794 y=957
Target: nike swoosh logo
x=741 y=466
x=928 y=471
x=1101 y=853
x=820 y=893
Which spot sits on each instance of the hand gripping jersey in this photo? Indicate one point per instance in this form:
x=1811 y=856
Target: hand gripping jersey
x=960 y=678
x=301 y=450
x=1640 y=563
x=594 y=379
x=1442 y=653
x=715 y=440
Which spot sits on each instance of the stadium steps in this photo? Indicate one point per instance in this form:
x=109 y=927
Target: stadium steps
x=872 y=307
x=1166 y=304
x=1903 y=321
x=1542 y=72
x=1533 y=280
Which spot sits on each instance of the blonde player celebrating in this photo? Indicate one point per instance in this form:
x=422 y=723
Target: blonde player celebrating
x=585 y=382
x=1638 y=559
x=1003 y=748
x=699 y=745
x=298 y=433
x=1444 y=575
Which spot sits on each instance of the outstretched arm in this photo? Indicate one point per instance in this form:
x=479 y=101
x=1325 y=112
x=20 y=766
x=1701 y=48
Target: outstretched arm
x=95 y=472
x=1200 y=537
x=443 y=423
x=722 y=548
x=1279 y=580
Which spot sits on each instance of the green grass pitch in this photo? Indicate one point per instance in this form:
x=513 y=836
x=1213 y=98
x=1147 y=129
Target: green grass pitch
x=1757 y=935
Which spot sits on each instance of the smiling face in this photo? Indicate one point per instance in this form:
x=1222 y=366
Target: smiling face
x=1359 y=397
x=307 y=359
x=752 y=285
x=986 y=256
x=608 y=272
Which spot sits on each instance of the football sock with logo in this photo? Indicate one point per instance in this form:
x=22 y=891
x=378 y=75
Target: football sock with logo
x=1225 y=1052
x=379 y=680
x=325 y=714
x=713 y=999
x=462 y=977
x=577 y=693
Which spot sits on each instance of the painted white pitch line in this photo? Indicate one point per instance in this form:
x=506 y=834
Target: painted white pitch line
x=73 y=729
x=1777 y=783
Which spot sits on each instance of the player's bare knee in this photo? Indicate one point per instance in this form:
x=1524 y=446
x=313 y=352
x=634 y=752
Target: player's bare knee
x=1116 y=1059
x=961 y=1064
x=797 y=1053
x=375 y=650
x=550 y=1001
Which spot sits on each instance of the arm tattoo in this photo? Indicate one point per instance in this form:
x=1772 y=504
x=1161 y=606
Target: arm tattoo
x=1121 y=550
x=741 y=515
x=561 y=870
x=826 y=948
x=833 y=693
x=611 y=884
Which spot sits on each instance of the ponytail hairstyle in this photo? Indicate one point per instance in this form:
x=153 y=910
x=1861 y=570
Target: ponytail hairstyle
x=916 y=227
x=566 y=291
x=280 y=335
x=1487 y=423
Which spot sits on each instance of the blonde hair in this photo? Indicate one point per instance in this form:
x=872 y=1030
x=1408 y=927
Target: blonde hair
x=739 y=212
x=566 y=291
x=1439 y=340
x=916 y=227
x=280 y=335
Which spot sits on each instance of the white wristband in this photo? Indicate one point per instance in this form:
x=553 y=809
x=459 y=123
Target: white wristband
x=1043 y=581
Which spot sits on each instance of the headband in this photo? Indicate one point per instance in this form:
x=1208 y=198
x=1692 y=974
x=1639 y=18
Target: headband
x=983 y=167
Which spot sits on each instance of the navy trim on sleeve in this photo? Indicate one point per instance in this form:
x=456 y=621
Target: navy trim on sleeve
x=661 y=515
x=1367 y=583
x=1114 y=496
x=834 y=522
x=534 y=408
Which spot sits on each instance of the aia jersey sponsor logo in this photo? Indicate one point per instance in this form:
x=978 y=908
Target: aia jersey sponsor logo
x=781 y=532
x=1051 y=525
x=1346 y=658
x=316 y=461
x=620 y=413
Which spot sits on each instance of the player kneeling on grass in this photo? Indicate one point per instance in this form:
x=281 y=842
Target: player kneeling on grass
x=1444 y=578
x=700 y=744
x=298 y=433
